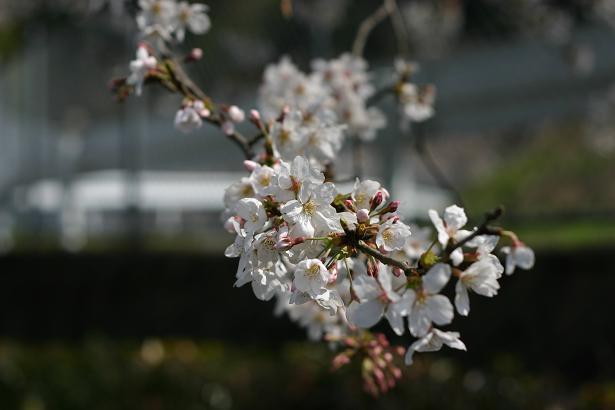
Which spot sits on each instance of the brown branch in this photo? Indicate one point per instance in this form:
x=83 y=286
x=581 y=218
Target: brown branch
x=483 y=229
x=366 y=28
x=184 y=84
x=399 y=27
x=433 y=168
x=387 y=260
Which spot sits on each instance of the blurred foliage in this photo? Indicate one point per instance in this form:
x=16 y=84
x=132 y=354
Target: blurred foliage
x=558 y=184
x=10 y=40
x=556 y=172
x=181 y=374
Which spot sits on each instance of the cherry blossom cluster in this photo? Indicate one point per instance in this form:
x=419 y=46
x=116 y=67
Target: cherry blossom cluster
x=168 y=19
x=339 y=262
x=336 y=262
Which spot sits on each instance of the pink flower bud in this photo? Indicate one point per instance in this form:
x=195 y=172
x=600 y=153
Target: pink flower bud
x=236 y=114
x=398 y=271
x=250 y=165
x=196 y=54
x=228 y=128
x=283 y=244
x=349 y=204
x=340 y=360
x=372 y=268
x=376 y=200
x=393 y=206
x=229 y=225
x=333 y=275
x=396 y=372
x=255 y=116
x=363 y=216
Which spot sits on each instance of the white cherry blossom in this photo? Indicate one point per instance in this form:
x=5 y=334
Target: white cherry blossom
x=188 y=119
x=449 y=227
x=191 y=16
x=392 y=235
x=482 y=278
x=311 y=213
x=427 y=305
x=253 y=212
x=518 y=256
x=432 y=342
x=311 y=276
x=140 y=67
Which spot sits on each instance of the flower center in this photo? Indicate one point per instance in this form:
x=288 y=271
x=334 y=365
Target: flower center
x=310 y=207
x=312 y=272
x=265 y=180
x=284 y=137
x=247 y=191
x=387 y=235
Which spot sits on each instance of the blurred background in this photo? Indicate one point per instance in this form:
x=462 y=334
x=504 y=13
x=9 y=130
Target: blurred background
x=114 y=293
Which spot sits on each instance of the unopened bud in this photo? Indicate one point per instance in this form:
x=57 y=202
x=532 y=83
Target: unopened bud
x=398 y=271
x=200 y=108
x=393 y=206
x=349 y=204
x=340 y=360
x=236 y=114
x=286 y=242
x=255 y=116
x=228 y=128
x=250 y=165
x=376 y=200
x=372 y=268
x=333 y=275
x=363 y=216
x=229 y=225
x=195 y=55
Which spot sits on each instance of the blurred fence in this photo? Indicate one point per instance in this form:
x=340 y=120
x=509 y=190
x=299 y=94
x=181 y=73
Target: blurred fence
x=555 y=316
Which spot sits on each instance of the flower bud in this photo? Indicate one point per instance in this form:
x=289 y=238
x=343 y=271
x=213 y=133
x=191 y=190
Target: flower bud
x=376 y=200
x=229 y=225
x=286 y=242
x=255 y=116
x=195 y=55
x=200 y=108
x=333 y=274
x=363 y=216
x=372 y=268
x=250 y=165
x=340 y=360
x=236 y=114
x=398 y=271
x=228 y=128
x=349 y=204
x=393 y=206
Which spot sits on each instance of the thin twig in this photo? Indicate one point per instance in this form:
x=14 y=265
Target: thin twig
x=483 y=229
x=387 y=260
x=434 y=169
x=366 y=28
x=399 y=27
x=184 y=84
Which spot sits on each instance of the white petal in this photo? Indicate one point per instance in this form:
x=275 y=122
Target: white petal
x=366 y=314
x=395 y=320
x=439 y=225
x=436 y=278
x=524 y=257
x=457 y=256
x=419 y=321
x=440 y=309
x=462 y=299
